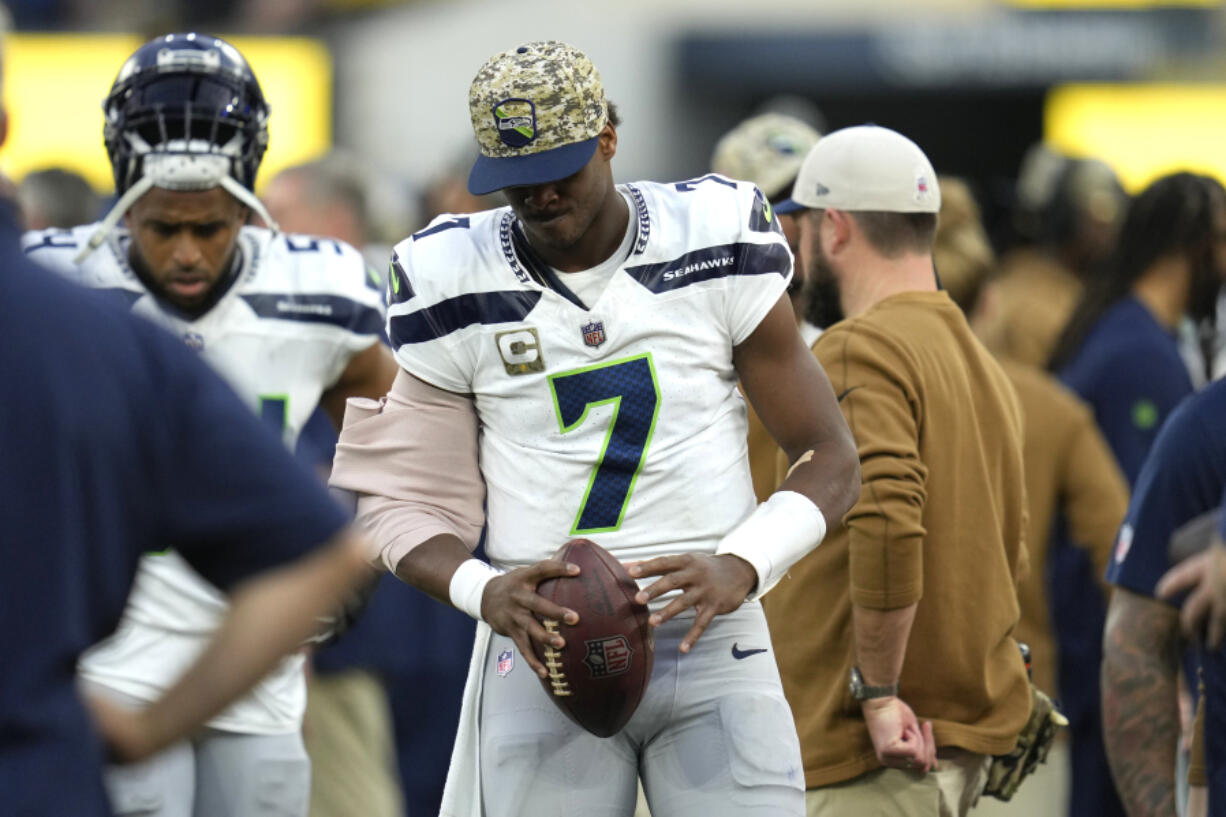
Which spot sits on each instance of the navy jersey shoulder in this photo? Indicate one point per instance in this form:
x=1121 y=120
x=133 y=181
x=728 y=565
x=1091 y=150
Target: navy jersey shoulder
x=117 y=440
x=1131 y=373
x=1183 y=477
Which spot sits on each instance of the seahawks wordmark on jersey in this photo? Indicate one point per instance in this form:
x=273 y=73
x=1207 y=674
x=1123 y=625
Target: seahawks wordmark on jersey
x=619 y=420
x=297 y=311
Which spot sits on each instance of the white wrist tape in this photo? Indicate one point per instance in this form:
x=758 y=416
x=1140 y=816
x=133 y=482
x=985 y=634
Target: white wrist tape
x=468 y=585
x=775 y=536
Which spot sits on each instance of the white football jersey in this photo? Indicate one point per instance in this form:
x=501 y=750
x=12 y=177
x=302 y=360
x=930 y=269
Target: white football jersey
x=619 y=421
x=297 y=312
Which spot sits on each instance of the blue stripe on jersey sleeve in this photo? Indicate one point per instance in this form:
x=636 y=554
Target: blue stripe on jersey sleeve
x=54 y=238
x=713 y=262
x=453 y=314
x=331 y=309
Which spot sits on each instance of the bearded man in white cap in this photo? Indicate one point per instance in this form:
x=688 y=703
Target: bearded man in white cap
x=895 y=637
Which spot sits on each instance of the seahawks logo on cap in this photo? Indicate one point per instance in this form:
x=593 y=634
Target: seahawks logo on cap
x=783 y=144
x=515 y=121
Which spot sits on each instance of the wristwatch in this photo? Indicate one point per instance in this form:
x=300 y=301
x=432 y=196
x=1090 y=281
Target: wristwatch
x=863 y=692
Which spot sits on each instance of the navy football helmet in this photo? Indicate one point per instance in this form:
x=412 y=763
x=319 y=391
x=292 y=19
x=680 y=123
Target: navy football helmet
x=185 y=113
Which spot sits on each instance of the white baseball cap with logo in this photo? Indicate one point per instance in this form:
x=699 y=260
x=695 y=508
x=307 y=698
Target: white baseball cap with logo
x=865 y=168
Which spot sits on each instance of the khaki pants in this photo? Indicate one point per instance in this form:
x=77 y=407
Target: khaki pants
x=348 y=736
x=950 y=791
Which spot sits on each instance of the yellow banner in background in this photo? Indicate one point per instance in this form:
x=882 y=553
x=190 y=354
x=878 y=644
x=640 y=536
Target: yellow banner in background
x=1143 y=131
x=55 y=84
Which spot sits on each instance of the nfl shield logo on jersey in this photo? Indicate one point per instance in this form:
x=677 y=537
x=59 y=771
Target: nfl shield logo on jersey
x=608 y=656
x=593 y=333
x=506 y=663
x=194 y=341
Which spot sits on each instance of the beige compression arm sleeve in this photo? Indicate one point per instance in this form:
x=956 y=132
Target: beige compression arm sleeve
x=411 y=458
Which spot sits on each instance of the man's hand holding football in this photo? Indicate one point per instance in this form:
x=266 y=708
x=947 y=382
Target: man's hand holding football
x=512 y=607
x=710 y=584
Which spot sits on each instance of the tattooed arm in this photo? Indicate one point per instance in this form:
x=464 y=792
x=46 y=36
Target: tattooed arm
x=1140 y=707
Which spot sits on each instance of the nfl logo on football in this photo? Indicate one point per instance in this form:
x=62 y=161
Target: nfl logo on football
x=506 y=662
x=608 y=656
x=593 y=333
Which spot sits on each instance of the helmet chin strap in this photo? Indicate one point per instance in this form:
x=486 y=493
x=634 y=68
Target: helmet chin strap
x=175 y=168
x=248 y=198
x=112 y=218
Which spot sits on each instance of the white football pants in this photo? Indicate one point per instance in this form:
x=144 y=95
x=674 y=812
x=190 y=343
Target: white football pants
x=214 y=774
x=712 y=737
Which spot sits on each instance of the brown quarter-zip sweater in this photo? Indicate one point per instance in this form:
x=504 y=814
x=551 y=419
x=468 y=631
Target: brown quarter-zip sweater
x=1069 y=469
x=940 y=520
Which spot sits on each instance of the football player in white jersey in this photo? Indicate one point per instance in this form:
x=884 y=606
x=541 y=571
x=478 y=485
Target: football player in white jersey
x=570 y=363
x=290 y=321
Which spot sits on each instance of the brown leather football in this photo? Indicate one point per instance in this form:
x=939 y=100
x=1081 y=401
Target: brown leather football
x=600 y=676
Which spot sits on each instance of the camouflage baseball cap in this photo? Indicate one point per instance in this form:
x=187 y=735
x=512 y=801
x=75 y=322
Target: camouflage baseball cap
x=537 y=112
x=767 y=150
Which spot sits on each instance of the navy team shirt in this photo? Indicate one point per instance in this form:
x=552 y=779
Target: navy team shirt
x=1214 y=665
x=114 y=440
x=1183 y=478
x=1131 y=373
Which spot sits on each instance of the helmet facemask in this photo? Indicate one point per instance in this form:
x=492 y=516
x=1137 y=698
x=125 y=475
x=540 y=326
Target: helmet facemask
x=184 y=119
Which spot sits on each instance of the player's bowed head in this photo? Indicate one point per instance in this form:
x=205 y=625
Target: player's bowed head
x=550 y=158
x=186 y=128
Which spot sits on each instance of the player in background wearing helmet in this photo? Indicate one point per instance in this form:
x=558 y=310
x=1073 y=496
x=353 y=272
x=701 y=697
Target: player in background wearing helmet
x=1068 y=214
x=586 y=342
x=290 y=321
x=767 y=150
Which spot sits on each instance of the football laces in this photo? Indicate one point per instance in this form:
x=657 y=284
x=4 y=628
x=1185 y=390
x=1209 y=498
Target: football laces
x=553 y=663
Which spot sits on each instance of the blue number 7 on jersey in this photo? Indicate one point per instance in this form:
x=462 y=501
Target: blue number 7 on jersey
x=629 y=385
